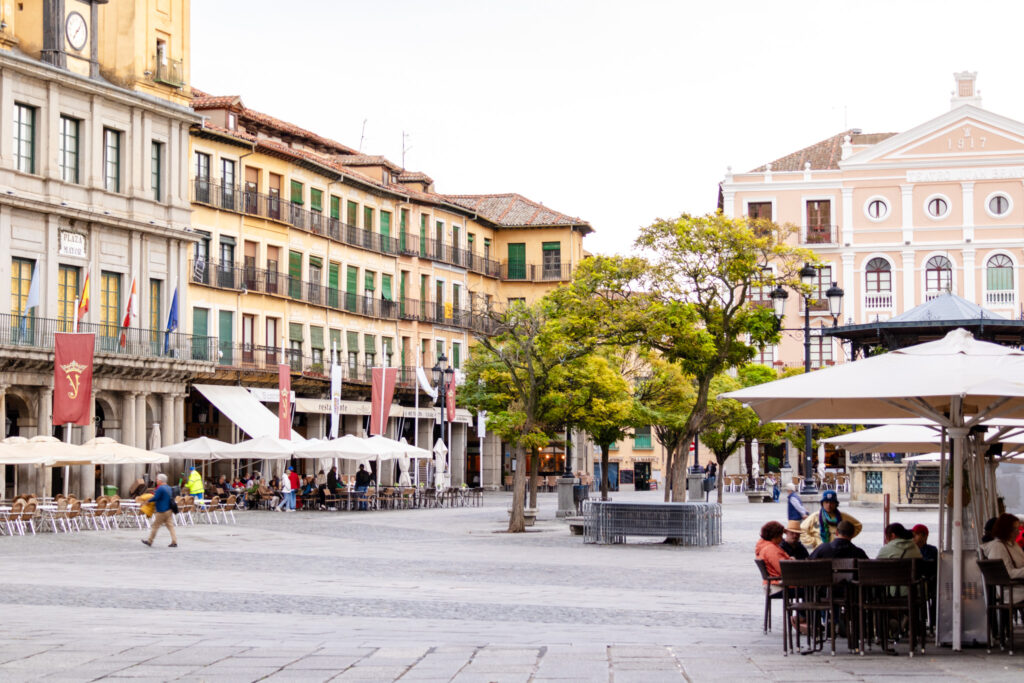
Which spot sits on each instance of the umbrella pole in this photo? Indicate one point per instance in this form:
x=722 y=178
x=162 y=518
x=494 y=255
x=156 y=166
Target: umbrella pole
x=959 y=433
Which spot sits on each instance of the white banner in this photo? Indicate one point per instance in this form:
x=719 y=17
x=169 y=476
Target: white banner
x=425 y=383
x=335 y=399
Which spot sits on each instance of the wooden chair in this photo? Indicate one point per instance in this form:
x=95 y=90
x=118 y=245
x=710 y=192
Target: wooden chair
x=890 y=588
x=1000 y=602
x=772 y=591
x=74 y=514
x=97 y=514
x=228 y=508
x=28 y=517
x=807 y=596
x=13 y=517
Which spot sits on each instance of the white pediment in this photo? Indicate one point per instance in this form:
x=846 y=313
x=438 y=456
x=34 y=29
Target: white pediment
x=964 y=135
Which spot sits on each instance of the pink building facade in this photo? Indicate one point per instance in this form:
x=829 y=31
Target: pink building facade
x=898 y=218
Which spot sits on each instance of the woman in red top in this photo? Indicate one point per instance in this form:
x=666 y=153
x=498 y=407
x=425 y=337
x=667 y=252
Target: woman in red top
x=768 y=549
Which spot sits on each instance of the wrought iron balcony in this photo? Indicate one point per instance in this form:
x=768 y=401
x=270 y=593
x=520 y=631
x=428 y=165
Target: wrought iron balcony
x=558 y=271
x=169 y=71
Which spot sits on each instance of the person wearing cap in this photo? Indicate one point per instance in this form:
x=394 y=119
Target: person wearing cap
x=928 y=552
x=195 y=483
x=821 y=527
x=791 y=541
x=794 y=505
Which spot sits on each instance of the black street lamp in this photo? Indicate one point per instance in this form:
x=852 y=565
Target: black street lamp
x=808 y=277
x=443 y=376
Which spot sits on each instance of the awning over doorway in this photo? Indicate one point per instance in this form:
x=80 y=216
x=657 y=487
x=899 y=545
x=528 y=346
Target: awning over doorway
x=242 y=408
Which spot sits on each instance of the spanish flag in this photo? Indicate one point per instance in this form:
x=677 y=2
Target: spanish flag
x=83 y=300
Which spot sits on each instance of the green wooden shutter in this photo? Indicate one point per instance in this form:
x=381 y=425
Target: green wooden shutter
x=335 y=207
x=517 y=261
x=332 y=284
x=316 y=337
x=200 y=333
x=351 y=283
x=368 y=218
x=295 y=274
x=369 y=282
x=369 y=344
x=352 y=342
x=316 y=262
x=402 y=288
x=351 y=211
x=316 y=200
x=385 y=223
x=296 y=192
x=385 y=287
x=226 y=330
x=403 y=228
x=423 y=235
x=424 y=295
x=457 y=355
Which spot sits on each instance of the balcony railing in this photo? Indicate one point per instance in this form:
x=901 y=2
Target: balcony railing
x=37 y=333
x=169 y=71
x=251 y=358
x=225 y=275
x=1003 y=297
x=821 y=234
x=530 y=272
x=241 y=200
x=874 y=301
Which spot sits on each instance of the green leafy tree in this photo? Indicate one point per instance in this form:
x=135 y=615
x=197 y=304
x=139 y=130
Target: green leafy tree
x=663 y=400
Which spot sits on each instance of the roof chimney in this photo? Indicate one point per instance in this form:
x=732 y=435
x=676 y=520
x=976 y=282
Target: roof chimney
x=965 y=92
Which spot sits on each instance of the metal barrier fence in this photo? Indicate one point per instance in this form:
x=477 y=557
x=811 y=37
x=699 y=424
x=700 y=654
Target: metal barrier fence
x=693 y=524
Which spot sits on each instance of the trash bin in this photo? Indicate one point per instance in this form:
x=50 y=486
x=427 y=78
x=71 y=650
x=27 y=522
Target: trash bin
x=580 y=492
x=109 y=490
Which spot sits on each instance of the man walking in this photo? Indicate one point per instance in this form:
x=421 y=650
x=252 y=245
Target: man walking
x=163 y=516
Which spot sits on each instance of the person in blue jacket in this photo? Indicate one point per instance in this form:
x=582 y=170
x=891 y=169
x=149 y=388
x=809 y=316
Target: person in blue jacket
x=164 y=515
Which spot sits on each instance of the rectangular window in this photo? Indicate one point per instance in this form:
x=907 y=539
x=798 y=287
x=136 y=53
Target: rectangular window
x=470 y=242
x=251 y=196
x=819 y=221
x=316 y=200
x=25 y=138
x=642 y=438
x=517 y=261
x=369 y=282
x=351 y=212
x=457 y=355
x=759 y=210
x=110 y=303
x=385 y=230
x=351 y=283
x=297 y=192
x=314 y=278
x=552 y=263
x=424 y=222
x=387 y=349
x=370 y=349
x=156 y=169
x=21 y=280
x=111 y=160
x=274 y=201
x=295 y=274
x=766 y=356
x=822 y=284
x=67 y=292
x=424 y=353
x=873 y=481
x=155 y=321
x=226 y=337
x=487 y=247
x=273 y=260
x=228 y=181
x=67 y=149
x=456 y=295
x=202 y=178
x=821 y=351
x=403 y=229
x=385 y=287
x=316 y=345
x=336 y=208
x=333 y=280
x=352 y=348
x=368 y=218
x=200 y=333
x=439 y=240
x=273 y=339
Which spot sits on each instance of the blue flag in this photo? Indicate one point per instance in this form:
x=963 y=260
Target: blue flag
x=172 y=321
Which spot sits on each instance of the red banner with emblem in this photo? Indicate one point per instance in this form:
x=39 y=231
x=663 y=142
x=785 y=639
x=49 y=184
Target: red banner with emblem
x=382 y=391
x=284 y=401
x=72 y=377
x=449 y=400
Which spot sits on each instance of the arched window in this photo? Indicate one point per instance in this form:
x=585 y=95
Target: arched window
x=878 y=274
x=999 y=273
x=938 y=274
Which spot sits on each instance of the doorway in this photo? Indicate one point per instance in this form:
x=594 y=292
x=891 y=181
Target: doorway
x=642 y=476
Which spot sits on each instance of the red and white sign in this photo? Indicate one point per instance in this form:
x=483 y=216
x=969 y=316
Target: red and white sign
x=72 y=378
x=382 y=392
x=284 y=401
x=449 y=400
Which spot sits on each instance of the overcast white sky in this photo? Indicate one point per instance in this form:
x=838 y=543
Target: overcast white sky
x=619 y=112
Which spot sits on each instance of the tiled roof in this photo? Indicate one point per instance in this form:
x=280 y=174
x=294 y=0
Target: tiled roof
x=415 y=177
x=240 y=134
x=202 y=100
x=513 y=211
x=824 y=155
x=367 y=160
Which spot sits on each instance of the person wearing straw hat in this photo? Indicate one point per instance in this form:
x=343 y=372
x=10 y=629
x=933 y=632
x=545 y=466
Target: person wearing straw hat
x=791 y=541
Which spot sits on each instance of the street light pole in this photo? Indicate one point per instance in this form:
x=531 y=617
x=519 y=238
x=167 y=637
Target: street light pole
x=809 y=486
x=440 y=372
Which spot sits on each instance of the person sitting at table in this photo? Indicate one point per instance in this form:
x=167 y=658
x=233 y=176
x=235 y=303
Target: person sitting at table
x=1003 y=546
x=138 y=488
x=769 y=549
x=841 y=546
x=222 y=486
x=928 y=552
x=791 y=541
x=899 y=544
x=986 y=535
x=820 y=527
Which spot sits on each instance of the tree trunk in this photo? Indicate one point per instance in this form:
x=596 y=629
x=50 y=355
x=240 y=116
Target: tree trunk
x=604 y=470
x=719 y=479
x=748 y=454
x=679 y=471
x=669 y=462
x=534 y=469
x=517 y=520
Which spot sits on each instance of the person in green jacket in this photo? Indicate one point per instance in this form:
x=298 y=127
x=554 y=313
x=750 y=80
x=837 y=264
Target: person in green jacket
x=195 y=483
x=899 y=544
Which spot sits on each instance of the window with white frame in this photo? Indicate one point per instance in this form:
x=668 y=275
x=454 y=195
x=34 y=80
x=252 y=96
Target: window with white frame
x=999 y=280
x=821 y=351
x=765 y=356
x=878 y=276
x=876 y=209
x=938 y=274
x=998 y=205
x=937 y=206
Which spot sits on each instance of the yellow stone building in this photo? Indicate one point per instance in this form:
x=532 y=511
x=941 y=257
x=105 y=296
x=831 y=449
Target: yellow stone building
x=306 y=245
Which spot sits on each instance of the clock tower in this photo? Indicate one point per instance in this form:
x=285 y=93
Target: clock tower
x=70 y=36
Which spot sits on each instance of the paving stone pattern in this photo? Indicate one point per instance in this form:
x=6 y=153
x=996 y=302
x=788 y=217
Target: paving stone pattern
x=419 y=595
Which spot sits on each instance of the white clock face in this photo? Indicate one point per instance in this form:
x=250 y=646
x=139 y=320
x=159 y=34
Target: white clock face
x=76 y=30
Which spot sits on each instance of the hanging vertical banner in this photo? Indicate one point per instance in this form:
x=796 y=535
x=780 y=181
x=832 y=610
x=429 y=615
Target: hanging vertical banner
x=481 y=424
x=382 y=391
x=284 y=401
x=449 y=400
x=335 y=399
x=72 y=377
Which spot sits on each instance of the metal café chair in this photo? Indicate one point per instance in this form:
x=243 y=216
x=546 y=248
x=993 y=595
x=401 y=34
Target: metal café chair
x=1000 y=602
x=772 y=591
x=807 y=596
x=890 y=588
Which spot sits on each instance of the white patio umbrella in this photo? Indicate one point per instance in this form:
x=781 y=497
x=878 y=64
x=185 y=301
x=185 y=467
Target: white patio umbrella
x=889 y=438
x=155 y=437
x=347 y=447
x=263 y=447
x=107 y=451
x=440 y=451
x=403 y=468
x=203 y=448
x=956 y=382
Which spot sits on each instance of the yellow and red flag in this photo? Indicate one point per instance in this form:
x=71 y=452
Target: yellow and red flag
x=83 y=300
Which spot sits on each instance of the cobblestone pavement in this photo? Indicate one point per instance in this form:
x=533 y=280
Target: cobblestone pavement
x=417 y=595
